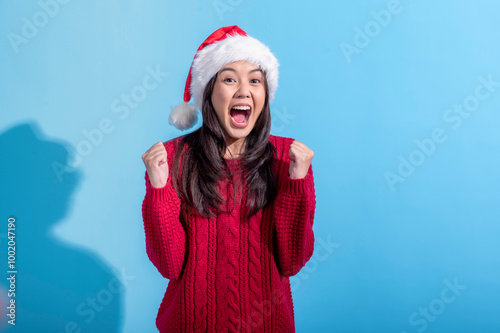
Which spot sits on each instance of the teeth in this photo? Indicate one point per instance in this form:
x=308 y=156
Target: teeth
x=243 y=108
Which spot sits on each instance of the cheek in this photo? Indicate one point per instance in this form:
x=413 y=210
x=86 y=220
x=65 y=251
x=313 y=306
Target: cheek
x=260 y=98
x=218 y=102
x=219 y=113
x=257 y=115
x=215 y=96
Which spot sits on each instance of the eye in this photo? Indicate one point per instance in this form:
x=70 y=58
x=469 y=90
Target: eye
x=255 y=81
x=229 y=79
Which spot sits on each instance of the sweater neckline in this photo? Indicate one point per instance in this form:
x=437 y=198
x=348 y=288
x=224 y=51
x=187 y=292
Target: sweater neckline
x=234 y=163
x=233 y=160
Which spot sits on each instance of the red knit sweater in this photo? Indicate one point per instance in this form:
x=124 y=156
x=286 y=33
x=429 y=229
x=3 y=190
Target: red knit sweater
x=229 y=273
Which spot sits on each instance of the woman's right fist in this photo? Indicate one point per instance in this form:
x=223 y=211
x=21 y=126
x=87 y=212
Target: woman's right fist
x=155 y=160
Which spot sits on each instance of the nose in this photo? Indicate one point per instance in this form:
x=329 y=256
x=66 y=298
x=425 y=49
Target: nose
x=243 y=90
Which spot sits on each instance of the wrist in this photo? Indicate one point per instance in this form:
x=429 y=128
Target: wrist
x=157 y=184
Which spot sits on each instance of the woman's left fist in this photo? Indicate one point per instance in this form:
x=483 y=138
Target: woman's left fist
x=300 y=159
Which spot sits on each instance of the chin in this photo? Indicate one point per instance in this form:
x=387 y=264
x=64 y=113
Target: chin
x=239 y=134
x=236 y=133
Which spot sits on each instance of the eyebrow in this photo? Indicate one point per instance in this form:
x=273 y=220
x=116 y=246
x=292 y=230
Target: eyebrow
x=233 y=70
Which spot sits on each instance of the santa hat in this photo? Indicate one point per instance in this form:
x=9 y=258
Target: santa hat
x=226 y=45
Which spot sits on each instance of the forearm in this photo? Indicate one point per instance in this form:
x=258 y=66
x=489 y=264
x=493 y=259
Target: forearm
x=293 y=221
x=165 y=234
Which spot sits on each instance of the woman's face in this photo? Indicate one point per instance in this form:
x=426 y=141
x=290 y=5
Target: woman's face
x=238 y=98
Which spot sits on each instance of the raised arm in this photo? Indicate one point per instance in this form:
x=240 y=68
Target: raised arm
x=165 y=234
x=293 y=211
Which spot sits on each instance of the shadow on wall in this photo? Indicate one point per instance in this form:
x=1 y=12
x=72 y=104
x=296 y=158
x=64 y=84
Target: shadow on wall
x=59 y=287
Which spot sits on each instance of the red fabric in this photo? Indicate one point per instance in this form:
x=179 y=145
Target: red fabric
x=216 y=36
x=230 y=274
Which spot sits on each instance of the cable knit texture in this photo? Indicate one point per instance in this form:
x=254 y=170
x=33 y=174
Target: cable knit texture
x=230 y=273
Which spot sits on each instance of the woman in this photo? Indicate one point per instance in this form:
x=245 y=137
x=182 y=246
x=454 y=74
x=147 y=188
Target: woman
x=229 y=208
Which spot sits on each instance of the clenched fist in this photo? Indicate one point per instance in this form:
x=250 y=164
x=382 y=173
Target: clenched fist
x=155 y=160
x=301 y=157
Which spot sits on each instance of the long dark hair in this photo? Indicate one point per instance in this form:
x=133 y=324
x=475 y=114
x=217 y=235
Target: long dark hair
x=203 y=163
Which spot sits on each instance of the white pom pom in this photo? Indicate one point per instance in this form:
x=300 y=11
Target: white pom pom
x=183 y=116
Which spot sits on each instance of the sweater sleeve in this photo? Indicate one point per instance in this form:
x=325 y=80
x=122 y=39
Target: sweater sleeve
x=293 y=217
x=165 y=235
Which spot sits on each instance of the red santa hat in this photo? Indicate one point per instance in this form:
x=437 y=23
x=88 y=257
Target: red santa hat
x=226 y=45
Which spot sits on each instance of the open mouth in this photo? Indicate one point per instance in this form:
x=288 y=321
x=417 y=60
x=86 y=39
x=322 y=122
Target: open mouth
x=240 y=114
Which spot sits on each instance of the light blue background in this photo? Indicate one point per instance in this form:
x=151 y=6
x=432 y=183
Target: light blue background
x=393 y=250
